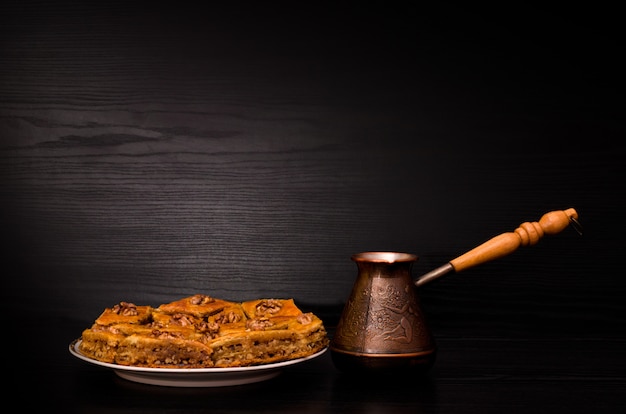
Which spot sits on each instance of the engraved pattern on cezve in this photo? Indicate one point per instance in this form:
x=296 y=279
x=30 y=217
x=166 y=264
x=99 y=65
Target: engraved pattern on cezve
x=384 y=317
x=355 y=318
x=393 y=314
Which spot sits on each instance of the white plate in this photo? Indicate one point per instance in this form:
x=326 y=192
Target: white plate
x=195 y=377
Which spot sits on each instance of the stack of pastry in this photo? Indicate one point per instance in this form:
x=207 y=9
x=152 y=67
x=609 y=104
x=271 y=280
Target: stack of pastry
x=200 y=331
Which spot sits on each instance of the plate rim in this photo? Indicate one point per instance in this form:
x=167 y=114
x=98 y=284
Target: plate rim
x=73 y=348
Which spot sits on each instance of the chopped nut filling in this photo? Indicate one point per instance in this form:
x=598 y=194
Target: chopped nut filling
x=258 y=324
x=305 y=318
x=165 y=335
x=125 y=308
x=268 y=306
x=183 y=319
x=200 y=299
x=229 y=317
x=208 y=327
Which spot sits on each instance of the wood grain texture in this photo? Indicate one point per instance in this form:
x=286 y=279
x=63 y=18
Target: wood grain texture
x=148 y=154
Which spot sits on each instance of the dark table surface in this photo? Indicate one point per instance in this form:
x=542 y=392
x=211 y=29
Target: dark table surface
x=471 y=374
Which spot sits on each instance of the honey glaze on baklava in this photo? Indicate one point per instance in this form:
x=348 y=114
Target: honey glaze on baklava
x=200 y=331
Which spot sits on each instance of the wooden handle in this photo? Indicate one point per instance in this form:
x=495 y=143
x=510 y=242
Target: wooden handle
x=527 y=234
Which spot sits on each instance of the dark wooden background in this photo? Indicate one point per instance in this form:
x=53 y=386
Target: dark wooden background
x=149 y=152
x=153 y=152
